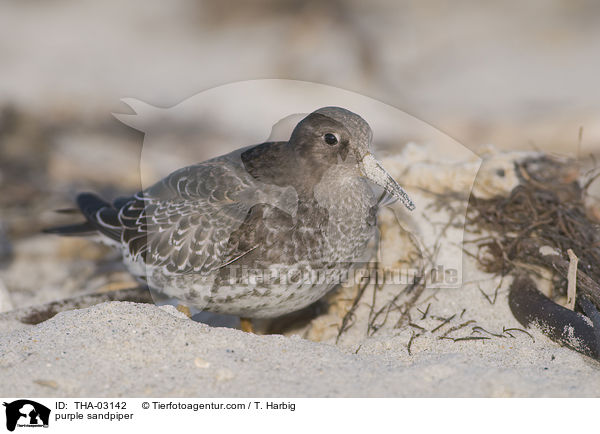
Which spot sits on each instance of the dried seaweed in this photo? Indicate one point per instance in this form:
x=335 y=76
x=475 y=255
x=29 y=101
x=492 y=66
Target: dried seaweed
x=535 y=226
x=546 y=210
x=410 y=294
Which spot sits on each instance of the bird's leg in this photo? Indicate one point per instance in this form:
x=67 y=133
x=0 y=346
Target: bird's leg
x=246 y=325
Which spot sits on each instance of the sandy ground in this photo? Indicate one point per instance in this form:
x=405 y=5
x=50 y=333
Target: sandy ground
x=128 y=349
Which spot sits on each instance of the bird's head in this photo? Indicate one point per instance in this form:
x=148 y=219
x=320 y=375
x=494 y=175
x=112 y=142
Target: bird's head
x=335 y=135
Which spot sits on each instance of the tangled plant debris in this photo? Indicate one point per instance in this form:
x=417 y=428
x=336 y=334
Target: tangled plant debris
x=531 y=230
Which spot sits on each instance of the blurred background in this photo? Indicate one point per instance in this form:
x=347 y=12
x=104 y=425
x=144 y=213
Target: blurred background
x=519 y=75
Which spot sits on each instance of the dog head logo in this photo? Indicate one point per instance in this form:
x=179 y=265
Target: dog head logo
x=26 y=413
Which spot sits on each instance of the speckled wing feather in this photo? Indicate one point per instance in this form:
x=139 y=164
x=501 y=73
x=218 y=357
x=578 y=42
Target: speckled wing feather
x=184 y=222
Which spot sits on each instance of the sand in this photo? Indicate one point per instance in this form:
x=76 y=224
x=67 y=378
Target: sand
x=128 y=349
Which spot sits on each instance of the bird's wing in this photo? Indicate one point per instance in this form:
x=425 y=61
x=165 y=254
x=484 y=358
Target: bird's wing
x=185 y=221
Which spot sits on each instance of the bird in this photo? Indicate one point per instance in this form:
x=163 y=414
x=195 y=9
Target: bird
x=260 y=232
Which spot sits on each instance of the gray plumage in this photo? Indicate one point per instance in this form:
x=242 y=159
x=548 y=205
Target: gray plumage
x=279 y=210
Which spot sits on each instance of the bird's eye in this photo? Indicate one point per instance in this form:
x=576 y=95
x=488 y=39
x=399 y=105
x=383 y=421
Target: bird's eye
x=330 y=138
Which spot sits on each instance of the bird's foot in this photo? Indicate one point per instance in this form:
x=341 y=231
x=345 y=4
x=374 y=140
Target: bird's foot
x=246 y=325
x=184 y=309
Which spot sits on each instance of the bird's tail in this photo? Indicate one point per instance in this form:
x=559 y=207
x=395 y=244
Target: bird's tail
x=100 y=216
x=75 y=230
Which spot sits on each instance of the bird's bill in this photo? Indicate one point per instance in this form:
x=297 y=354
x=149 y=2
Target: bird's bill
x=374 y=171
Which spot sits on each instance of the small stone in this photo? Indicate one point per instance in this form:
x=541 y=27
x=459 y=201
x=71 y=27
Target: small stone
x=224 y=375
x=47 y=383
x=201 y=363
x=548 y=250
